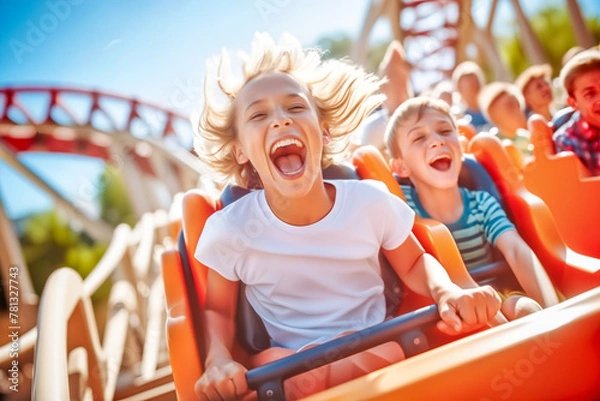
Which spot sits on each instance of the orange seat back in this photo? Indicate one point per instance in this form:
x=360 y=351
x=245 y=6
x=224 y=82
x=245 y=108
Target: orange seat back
x=570 y=272
x=184 y=354
x=196 y=208
x=467 y=130
x=515 y=155
x=184 y=280
x=565 y=185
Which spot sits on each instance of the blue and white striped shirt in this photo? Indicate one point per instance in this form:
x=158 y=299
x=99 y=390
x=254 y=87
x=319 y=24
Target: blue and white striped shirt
x=476 y=232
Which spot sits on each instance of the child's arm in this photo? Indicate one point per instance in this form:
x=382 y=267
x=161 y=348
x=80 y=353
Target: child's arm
x=527 y=268
x=460 y=310
x=223 y=378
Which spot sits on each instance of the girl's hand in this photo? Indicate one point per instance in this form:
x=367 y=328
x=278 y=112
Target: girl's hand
x=463 y=310
x=222 y=381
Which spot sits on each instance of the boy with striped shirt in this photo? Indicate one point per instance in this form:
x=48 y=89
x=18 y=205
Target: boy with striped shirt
x=423 y=142
x=480 y=225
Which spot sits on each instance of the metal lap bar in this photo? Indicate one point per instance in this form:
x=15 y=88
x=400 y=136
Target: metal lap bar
x=489 y=271
x=268 y=379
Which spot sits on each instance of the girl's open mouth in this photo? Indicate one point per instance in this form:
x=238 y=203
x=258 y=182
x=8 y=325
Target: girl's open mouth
x=288 y=155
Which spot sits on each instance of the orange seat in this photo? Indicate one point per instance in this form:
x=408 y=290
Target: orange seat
x=514 y=153
x=565 y=185
x=467 y=130
x=571 y=272
x=184 y=280
x=184 y=354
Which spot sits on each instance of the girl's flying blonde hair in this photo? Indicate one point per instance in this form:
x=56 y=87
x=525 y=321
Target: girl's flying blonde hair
x=342 y=93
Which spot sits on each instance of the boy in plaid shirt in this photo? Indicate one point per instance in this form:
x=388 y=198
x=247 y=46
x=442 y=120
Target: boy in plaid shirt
x=581 y=133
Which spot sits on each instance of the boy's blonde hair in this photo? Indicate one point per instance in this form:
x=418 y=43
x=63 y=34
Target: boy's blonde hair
x=491 y=92
x=585 y=61
x=414 y=107
x=342 y=94
x=467 y=68
x=531 y=73
x=569 y=54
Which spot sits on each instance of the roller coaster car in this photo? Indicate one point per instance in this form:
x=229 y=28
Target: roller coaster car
x=567 y=187
x=558 y=347
x=571 y=272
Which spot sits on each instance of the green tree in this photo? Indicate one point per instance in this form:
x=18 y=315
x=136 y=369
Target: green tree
x=553 y=27
x=49 y=242
x=115 y=207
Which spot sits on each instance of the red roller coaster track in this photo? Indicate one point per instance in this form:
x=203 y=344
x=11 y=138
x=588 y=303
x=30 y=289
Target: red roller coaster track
x=148 y=144
x=35 y=118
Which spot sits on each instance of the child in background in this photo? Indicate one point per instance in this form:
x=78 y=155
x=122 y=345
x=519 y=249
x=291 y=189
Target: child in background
x=580 y=78
x=423 y=141
x=564 y=112
x=503 y=105
x=468 y=80
x=307 y=249
x=444 y=90
x=534 y=84
x=396 y=87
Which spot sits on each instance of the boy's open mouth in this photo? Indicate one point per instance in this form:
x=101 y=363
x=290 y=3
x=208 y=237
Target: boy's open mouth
x=288 y=155
x=441 y=162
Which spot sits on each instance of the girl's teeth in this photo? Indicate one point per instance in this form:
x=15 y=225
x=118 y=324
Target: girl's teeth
x=286 y=142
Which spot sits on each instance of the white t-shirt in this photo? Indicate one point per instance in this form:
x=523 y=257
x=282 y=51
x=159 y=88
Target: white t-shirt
x=309 y=283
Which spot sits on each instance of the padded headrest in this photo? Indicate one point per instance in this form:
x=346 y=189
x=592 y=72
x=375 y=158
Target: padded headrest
x=340 y=172
x=475 y=177
x=231 y=193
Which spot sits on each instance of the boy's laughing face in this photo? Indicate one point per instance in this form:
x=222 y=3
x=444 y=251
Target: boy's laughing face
x=279 y=132
x=431 y=152
x=586 y=96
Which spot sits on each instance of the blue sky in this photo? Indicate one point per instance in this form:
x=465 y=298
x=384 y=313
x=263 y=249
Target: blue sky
x=150 y=49
x=155 y=51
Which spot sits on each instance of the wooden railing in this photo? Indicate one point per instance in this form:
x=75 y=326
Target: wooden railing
x=66 y=324
x=70 y=360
